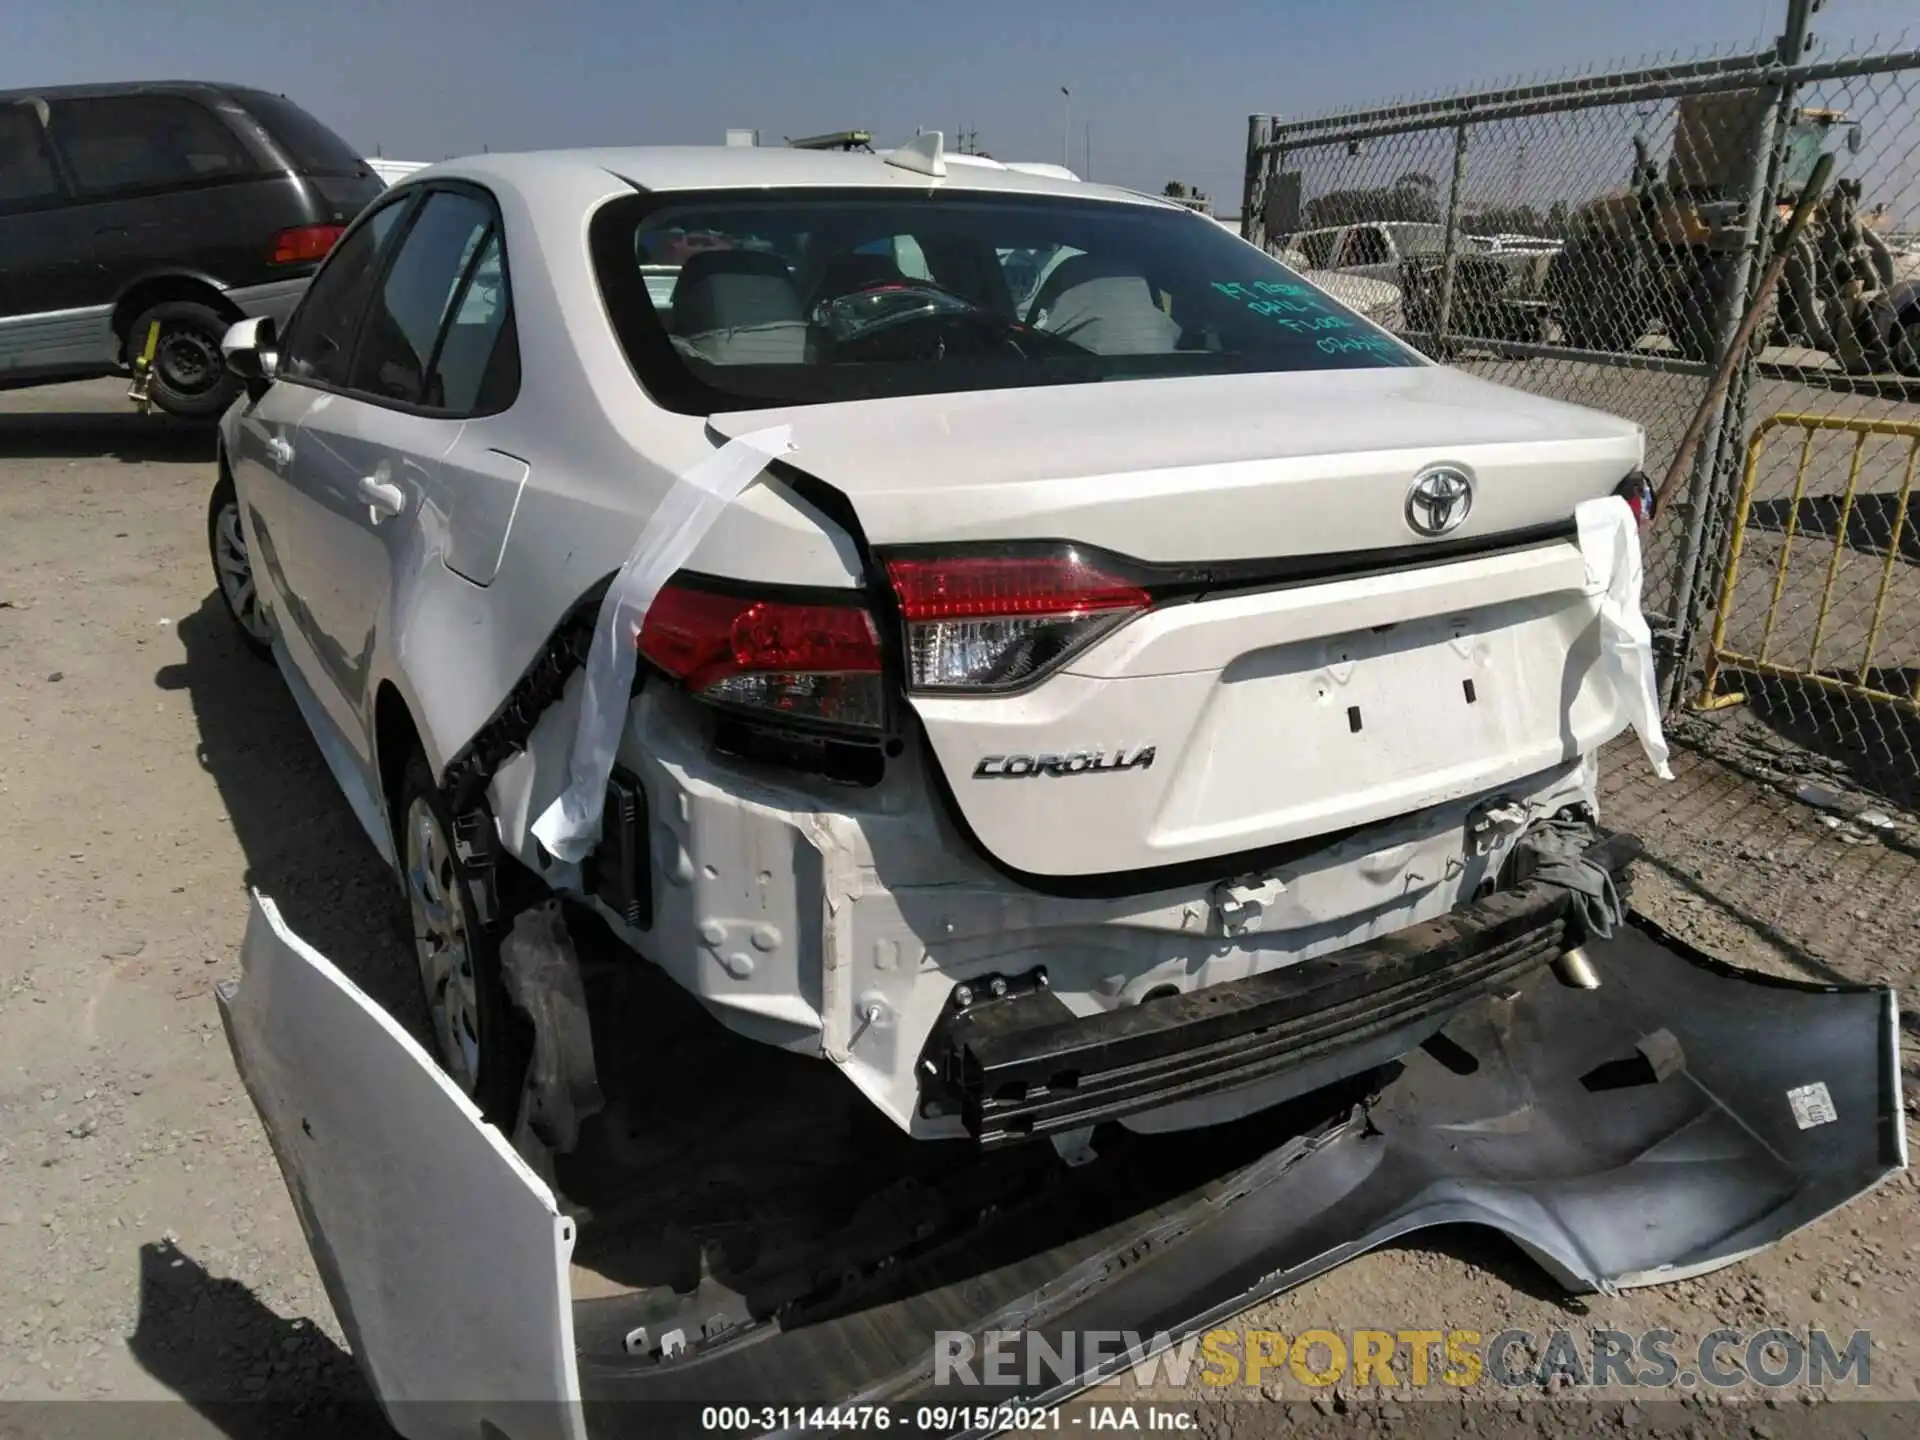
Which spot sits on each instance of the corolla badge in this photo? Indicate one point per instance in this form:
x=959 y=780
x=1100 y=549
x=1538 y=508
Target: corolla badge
x=1439 y=500
x=1070 y=762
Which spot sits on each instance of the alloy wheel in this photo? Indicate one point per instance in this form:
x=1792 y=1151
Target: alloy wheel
x=234 y=569
x=443 y=944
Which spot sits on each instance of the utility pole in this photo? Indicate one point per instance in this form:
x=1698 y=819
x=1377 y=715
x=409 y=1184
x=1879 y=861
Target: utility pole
x=1066 y=130
x=1089 y=170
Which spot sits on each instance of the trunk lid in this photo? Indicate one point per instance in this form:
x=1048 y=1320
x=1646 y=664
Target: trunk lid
x=1307 y=699
x=1222 y=468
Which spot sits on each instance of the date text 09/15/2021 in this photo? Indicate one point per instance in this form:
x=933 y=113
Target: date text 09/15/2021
x=945 y=1419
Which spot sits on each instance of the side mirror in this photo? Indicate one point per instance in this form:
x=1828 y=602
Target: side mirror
x=249 y=349
x=1856 y=140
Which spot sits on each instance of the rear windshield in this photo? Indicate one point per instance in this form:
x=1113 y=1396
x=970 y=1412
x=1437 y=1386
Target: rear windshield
x=739 y=301
x=311 y=146
x=1420 y=239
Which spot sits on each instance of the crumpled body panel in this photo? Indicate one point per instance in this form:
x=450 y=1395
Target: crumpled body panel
x=1677 y=1118
x=444 y=1255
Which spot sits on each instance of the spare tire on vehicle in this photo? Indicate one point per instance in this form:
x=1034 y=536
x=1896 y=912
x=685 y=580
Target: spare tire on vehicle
x=190 y=376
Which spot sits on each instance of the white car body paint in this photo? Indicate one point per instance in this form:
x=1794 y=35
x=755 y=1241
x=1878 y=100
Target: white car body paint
x=800 y=910
x=456 y=1325
x=834 y=920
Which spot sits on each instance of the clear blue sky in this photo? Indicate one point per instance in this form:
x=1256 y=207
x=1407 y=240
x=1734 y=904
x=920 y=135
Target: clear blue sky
x=1166 y=86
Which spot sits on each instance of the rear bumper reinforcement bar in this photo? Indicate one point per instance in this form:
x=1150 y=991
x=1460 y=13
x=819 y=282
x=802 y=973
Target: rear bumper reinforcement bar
x=1023 y=1065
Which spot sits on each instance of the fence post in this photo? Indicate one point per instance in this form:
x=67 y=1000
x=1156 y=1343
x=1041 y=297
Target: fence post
x=1725 y=430
x=1450 y=257
x=1253 y=226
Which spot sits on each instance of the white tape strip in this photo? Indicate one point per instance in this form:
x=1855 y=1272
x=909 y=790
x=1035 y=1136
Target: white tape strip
x=1610 y=546
x=570 y=827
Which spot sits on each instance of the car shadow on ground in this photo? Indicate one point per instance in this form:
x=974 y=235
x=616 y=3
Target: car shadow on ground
x=252 y=1373
x=302 y=844
x=126 y=435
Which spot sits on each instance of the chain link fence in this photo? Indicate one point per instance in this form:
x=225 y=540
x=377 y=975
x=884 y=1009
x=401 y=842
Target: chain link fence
x=1598 y=240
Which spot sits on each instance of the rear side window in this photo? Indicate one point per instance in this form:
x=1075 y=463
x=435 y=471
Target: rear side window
x=144 y=142
x=439 y=313
x=26 y=170
x=320 y=338
x=310 y=146
x=479 y=365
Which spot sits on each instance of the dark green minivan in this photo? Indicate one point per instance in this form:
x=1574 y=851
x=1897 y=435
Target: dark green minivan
x=178 y=203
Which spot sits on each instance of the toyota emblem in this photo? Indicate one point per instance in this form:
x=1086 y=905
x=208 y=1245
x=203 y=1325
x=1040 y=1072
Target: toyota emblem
x=1439 y=500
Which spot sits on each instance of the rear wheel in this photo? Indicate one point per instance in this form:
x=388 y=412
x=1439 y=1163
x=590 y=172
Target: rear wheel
x=1903 y=341
x=233 y=569
x=1696 y=284
x=482 y=1040
x=190 y=376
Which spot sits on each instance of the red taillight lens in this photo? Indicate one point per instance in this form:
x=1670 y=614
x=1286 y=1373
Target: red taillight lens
x=813 y=661
x=304 y=243
x=996 y=622
x=1637 y=491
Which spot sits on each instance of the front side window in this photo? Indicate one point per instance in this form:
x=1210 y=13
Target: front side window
x=320 y=338
x=144 y=142
x=818 y=296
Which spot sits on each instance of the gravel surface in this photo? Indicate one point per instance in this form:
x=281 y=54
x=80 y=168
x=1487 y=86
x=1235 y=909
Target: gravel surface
x=151 y=772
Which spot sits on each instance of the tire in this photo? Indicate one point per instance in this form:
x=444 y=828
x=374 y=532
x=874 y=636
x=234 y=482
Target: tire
x=233 y=570
x=1903 y=341
x=190 y=376
x=1599 y=296
x=484 y=1042
x=1690 y=312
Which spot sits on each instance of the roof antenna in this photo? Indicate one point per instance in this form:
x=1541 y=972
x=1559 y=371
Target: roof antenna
x=922 y=155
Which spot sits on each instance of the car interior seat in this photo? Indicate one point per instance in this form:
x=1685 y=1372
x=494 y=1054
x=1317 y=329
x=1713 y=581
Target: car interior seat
x=1103 y=305
x=733 y=290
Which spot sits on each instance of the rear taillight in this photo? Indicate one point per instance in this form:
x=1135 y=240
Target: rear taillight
x=998 y=622
x=1637 y=491
x=304 y=243
x=807 y=660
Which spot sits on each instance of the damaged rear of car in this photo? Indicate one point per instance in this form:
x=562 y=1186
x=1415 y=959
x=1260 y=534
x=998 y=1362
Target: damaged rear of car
x=1159 y=713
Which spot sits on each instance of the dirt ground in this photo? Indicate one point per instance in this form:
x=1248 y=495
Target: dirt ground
x=151 y=772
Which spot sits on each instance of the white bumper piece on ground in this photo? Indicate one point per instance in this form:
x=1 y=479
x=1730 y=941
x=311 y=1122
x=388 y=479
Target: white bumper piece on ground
x=1653 y=1128
x=444 y=1255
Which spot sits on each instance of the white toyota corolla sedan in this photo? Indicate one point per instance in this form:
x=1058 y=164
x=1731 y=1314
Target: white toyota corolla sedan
x=1140 y=699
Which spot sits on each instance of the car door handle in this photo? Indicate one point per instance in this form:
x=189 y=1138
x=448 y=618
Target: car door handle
x=383 y=496
x=279 y=450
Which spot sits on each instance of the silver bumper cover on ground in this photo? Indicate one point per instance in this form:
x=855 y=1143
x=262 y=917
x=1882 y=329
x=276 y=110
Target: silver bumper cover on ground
x=1679 y=1117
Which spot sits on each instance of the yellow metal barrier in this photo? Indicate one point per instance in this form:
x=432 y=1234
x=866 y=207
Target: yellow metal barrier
x=1718 y=655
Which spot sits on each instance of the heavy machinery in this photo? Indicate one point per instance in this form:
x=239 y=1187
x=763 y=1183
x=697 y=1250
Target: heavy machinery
x=1662 y=250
